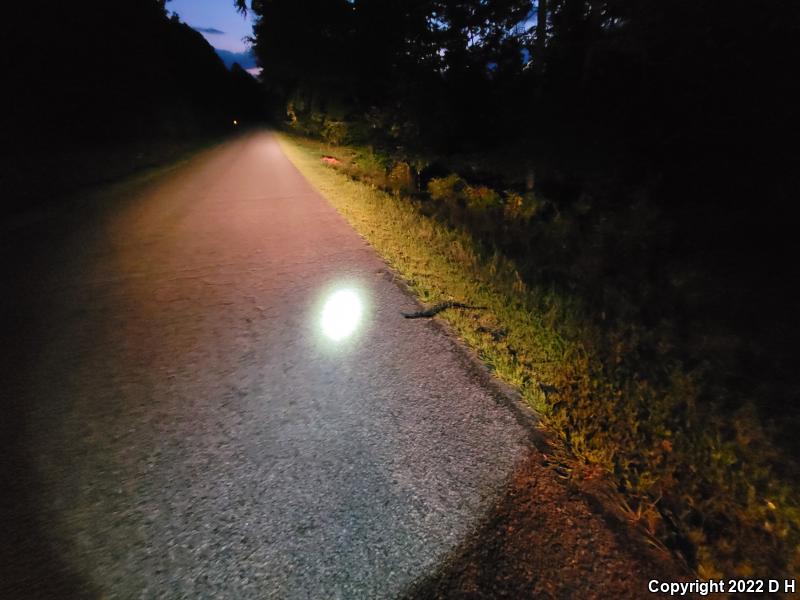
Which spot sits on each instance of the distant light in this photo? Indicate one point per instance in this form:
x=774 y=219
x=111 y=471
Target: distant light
x=235 y=122
x=341 y=314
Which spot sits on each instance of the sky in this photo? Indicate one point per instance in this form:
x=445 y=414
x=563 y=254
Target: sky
x=221 y=25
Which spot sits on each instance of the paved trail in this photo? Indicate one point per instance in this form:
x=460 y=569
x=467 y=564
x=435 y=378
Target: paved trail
x=178 y=424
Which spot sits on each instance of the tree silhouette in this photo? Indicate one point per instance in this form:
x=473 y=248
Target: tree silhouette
x=112 y=71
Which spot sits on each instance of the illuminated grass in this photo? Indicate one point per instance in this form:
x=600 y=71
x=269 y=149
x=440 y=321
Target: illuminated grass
x=438 y=264
x=668 y=450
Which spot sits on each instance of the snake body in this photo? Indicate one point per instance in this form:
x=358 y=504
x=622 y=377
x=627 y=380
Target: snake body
x=436 y=309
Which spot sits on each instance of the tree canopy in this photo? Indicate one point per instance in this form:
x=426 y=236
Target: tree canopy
x=666 y=78
x=97 y=71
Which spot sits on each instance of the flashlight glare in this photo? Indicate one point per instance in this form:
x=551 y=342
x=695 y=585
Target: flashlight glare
x=341 y=314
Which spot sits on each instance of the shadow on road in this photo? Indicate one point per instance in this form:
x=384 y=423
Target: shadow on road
x=29 y=566
x=549 y=538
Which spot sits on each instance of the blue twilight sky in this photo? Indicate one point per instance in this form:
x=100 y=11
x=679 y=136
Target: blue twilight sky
x=221 y=25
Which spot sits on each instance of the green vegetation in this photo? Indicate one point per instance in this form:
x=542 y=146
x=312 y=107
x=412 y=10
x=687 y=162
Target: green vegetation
x=577 y=321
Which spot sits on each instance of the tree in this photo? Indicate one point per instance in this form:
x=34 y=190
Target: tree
x=541 y=37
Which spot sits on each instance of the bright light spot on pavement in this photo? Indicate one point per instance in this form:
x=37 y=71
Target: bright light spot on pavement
x=341 y=314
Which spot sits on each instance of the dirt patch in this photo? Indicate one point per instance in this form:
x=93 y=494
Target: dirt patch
x=551 y=538
x=331 y=161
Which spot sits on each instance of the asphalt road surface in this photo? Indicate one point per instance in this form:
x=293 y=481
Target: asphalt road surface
x=209 y=391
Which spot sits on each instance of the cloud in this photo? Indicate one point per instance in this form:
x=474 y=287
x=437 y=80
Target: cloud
x=209 y=30
x=245 y=59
